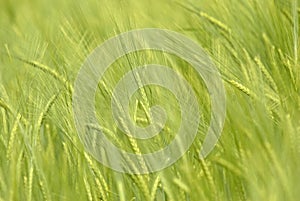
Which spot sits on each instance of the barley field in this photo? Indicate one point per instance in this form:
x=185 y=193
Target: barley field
x=254 y=46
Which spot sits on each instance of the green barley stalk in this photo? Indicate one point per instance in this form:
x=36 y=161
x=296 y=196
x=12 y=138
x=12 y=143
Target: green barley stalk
x=11 y=142
x=99 y=179
x=209 y=178
x=46 y=69
x=242 y=88
x=266 y=73
x=287 y=64
x=132 y=141
x=154 y=188
x=29 y=186
x=88 y=189
x=216 y=22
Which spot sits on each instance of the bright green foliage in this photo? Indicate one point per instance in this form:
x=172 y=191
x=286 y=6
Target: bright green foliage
x=254 y=44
